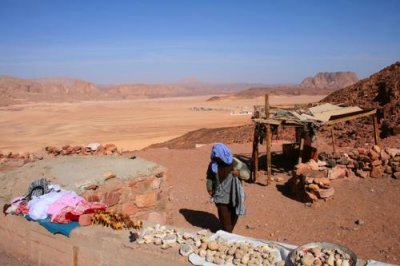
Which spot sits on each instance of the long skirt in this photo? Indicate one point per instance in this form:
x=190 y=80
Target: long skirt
x=227 y=216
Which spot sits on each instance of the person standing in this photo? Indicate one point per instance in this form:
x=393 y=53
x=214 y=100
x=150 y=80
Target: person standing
x=225 y=187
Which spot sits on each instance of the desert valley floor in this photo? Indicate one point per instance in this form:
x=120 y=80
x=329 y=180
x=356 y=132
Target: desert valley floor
x=130 y=124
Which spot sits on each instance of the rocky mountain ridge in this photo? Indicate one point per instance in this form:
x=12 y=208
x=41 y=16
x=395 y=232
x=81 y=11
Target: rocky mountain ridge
x=14 y=90
x=330 y=80
x=382 y=91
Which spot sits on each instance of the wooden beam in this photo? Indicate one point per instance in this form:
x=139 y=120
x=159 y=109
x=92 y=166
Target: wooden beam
x=268 y=139
x=350 y=117
x=376 y=129
x=255 y=152
x=75 y=256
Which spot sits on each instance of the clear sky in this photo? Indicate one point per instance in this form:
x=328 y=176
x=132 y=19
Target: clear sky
x=212 y=40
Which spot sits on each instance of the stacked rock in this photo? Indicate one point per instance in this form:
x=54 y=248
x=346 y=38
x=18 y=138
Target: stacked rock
x=312 y=181
x=91 y=149
x=373 y=162
x=25 y=157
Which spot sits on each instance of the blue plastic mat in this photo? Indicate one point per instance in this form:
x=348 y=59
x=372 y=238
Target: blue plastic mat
x=64 y=229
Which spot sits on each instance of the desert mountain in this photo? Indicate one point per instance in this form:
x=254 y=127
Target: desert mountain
x=322 y=83
x=329 y=81
x=13 y=90
x=381 y=90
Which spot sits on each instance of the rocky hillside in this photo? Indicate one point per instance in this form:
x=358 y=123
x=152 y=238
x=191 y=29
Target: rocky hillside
x=329 y=81
x=381 y=90
x=273 y=89
x=227 y=135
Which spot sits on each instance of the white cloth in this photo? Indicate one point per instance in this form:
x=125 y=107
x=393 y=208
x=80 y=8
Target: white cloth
x=38 y=206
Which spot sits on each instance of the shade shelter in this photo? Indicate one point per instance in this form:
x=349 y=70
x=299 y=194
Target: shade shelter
x=301 y=118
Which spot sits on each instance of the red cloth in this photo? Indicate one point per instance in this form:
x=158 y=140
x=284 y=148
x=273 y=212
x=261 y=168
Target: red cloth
x=22 y=208
x=69 y=213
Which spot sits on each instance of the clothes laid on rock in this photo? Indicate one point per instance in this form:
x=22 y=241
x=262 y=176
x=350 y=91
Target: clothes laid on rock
x=72 y=212
x=37 y=188
x=38 y=206
x=46 y=201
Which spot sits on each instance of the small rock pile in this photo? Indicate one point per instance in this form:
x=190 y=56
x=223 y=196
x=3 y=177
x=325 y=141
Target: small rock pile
x=91 y=149
x=318 y=256
x=25 y=157
x=218 y=251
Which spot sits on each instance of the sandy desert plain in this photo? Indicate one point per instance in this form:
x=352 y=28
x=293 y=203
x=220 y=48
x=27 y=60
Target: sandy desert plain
x=130 y=124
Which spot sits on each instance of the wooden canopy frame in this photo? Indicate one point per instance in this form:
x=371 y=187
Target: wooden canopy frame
x=334 y=119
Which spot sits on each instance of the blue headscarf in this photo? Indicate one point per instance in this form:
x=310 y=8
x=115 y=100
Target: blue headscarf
x=219 y=150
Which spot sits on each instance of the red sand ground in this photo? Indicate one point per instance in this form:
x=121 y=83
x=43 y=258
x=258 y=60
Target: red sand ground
x=273 y=215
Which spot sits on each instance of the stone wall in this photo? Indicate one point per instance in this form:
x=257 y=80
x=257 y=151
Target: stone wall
x=143 y=198
x=92 y=245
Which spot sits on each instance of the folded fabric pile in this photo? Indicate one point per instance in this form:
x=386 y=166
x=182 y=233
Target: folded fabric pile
x=47 y=201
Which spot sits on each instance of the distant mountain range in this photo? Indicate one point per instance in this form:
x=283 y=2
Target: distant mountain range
x=14 y=90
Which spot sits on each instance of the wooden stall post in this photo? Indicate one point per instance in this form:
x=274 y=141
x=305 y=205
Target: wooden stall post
x=301 y=150
x=268 y=140
x=255 y=152
x=75 y=256
x=333 y=140
x=376 y=129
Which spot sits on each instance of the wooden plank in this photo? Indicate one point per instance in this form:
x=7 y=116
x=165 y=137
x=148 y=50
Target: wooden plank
x=268 y=121
x=268 y=141
x=350 y=117
x=376 y=129
x=75 y=256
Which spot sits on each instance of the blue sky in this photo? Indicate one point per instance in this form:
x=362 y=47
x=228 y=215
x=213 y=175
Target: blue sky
x=215 y=41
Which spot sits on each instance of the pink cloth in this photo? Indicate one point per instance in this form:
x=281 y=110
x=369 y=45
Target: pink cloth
x=69 y=200
x=70 y=213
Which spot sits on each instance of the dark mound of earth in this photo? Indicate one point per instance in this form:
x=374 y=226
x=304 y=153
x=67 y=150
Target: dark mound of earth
x=227 y=135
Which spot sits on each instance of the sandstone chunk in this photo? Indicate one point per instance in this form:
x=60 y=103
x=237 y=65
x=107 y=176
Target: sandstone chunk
x=146 y=200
